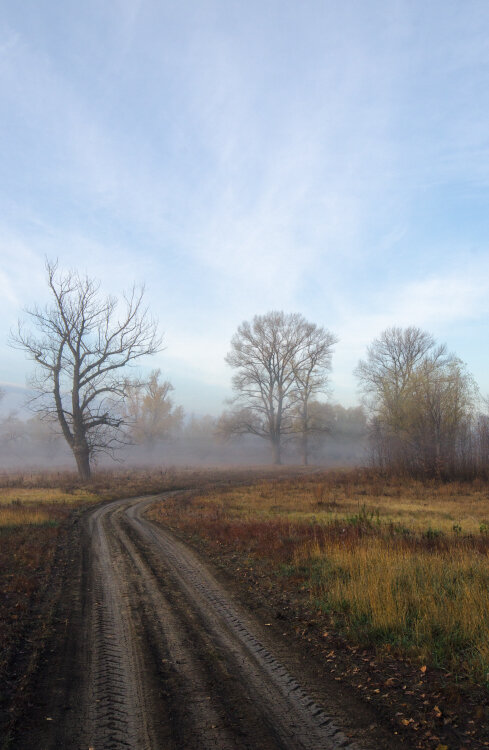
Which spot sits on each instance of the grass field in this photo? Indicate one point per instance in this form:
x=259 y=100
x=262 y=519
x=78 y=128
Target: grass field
x=398 y=565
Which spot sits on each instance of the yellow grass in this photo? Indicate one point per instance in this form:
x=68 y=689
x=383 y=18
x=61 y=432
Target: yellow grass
x=415 y=505
x=397 y=563
x=22 y=495
x=20 y=506
x=436 y=605
x=25 y=497
x=12 y=516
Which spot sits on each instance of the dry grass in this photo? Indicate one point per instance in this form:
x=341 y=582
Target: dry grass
x=25 y=505
x=34 y=496
x=38 y=497
x=397 y=564
x=25 y=516
x=339 y=495
x=39 y=507
x=433 y=605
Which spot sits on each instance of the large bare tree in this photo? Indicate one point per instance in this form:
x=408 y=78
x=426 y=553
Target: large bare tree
x=82 y=344
x=421 y=401
x=281 y=360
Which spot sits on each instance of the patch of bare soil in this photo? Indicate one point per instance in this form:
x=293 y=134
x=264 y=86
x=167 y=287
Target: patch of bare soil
x=34 y=563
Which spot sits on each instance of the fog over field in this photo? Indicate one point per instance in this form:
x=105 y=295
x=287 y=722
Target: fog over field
x=27 y=442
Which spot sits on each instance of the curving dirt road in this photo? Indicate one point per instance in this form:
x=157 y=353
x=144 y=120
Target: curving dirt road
x=161 y=658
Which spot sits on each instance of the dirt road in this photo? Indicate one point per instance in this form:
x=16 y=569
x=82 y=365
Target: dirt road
x=158 y=656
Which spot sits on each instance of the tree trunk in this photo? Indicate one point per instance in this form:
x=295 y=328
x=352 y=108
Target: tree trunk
x=305 y=449
x=277 y=460
x=82 y=458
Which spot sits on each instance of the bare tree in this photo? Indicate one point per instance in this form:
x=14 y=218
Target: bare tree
x=441 y=400
x=482 y=439
x=82 y=347
x=281 y=361
x=391 y=359
x=421 y=402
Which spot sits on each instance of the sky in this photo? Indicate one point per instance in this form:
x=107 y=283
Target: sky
x=322 y=157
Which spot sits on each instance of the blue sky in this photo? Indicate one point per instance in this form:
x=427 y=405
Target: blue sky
x=328 y=158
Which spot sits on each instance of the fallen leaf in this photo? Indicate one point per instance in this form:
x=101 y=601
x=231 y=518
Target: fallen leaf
x=423 y=669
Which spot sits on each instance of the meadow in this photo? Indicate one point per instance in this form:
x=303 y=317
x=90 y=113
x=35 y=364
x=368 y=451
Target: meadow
x=400 y=566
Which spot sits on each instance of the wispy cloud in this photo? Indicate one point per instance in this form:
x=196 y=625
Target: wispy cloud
x=244 y=158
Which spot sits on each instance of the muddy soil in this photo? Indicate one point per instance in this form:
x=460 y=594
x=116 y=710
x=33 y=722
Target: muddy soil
x=151 y=651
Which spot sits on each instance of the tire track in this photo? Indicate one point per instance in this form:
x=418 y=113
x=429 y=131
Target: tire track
x=170 y=641
x=116 y=716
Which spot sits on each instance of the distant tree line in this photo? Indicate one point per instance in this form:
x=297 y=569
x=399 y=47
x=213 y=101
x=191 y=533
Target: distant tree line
x=421 y=412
